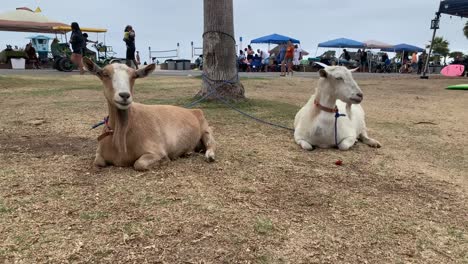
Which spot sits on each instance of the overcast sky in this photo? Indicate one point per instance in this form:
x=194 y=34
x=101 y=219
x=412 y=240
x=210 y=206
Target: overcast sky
x=162 y=24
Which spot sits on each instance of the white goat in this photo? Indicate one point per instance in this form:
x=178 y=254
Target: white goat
x=141 y=135
x=316 y=125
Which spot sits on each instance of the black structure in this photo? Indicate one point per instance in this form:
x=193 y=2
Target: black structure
x=449 y=7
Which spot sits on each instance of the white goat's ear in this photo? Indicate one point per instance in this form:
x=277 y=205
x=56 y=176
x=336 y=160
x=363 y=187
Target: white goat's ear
x=143 y=72
x=354 y=70
x=92 y=67
x=323 y=73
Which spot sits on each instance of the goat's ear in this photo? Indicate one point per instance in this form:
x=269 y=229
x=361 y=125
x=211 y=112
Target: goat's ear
x=143 y=72
x=323 y=73
x=355 y=69
x=92 y=67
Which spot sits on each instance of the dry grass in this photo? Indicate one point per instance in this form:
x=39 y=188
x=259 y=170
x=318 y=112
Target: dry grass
x=263 y=201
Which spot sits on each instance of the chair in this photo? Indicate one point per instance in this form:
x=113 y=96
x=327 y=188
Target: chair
x=256 y=64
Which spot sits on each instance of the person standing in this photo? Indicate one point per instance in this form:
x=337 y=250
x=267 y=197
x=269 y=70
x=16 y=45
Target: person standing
x=363 y=60
x=288 y=59
x=32 y=56
x=78 y=44
x=129 y=39
x=265 y=58
x=138 y=58
x=414 y=60
x=421 y=61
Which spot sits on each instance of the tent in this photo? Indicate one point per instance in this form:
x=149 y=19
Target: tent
x=375 y=44
x=403 y=47
x=24 y=19
x=274 y=39
x=449 y=7
x=342 y=43
x=454 y=7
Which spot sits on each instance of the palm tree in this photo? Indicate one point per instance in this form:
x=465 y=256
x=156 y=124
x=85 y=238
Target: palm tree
x=440 y=46
x=456 y=54
x=219 y=51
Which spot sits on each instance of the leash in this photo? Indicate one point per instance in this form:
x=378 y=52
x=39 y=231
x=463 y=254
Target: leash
x=337 y=115
x=212 y=90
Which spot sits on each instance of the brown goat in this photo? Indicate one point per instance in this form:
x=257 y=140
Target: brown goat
x=141 y=135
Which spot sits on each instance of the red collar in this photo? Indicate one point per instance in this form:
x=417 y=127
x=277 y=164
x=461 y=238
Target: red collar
x=324 y=108
x=107 y=130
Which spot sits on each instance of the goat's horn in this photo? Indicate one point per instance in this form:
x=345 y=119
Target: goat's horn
x=322 y=64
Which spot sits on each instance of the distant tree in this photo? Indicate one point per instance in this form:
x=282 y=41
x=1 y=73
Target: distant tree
x=440 y=46
x=455 y=54
x=219 y=51
x=465 y=30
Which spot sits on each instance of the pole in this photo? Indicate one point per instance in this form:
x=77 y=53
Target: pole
x=149 y=49
x=178 y=47
x=191 y=43
x=435 y=26
x=240 y=43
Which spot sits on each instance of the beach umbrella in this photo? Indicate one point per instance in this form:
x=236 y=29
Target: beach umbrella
x=375 y=44
x=342 y=43
x=403 y=47
x=274 y=39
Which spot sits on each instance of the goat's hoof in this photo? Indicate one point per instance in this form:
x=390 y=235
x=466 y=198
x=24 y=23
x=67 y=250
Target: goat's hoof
x=100 y=163
x=209 y=156
x=140 y=168
x=374 y=144
x=306 y=146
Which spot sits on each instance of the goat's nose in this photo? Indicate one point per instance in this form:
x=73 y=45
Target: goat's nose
x=360 y=95
x=124 y=95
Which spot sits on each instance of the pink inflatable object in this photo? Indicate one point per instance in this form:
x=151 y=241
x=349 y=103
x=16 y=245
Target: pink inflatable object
x=453 y=70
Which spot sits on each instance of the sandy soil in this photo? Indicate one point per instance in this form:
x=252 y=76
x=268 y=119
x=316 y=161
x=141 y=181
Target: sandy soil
x=264 y=200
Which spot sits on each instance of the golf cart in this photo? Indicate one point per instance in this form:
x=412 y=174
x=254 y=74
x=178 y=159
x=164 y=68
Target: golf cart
x=104 y=54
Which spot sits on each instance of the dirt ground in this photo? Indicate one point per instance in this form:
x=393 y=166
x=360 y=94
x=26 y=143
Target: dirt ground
x=264 y=201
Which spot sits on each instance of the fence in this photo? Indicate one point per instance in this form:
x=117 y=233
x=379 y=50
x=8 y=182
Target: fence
x=163 y=54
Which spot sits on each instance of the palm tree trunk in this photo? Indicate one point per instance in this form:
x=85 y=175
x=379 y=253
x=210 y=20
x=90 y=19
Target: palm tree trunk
x=219 y=54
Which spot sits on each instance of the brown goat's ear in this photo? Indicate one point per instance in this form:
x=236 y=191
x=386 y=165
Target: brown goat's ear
x=323 y=73
x=143 y=72
x=92 y=67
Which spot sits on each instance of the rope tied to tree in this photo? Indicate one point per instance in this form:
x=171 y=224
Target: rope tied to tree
x=221 y=32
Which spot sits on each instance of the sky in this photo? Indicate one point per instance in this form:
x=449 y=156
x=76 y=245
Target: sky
x=163 y=24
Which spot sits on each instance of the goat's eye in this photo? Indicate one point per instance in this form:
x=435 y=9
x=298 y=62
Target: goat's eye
x=104 y=74
x=339 y=78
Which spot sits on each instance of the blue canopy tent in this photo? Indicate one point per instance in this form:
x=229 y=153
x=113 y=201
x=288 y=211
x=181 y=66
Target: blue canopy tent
x=342 y=43
x=403 y=47
x=449 y=7
x=274 y=39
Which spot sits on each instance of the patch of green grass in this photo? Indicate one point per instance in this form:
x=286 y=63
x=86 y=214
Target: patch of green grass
x=5 y=209
x=58 y=91
x=7 y=172
x=247 y=190
x=456 y=233
x=167 y=101
x=103 y=253
x=93 y=215
x=263 y=226
x=263 y=259
x=253 y=78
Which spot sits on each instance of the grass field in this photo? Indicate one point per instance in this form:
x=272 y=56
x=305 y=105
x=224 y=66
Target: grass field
x=264 y=201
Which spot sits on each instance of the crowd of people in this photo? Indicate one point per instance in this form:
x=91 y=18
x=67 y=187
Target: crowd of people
x=382 y=63
x=282 y=59
x=78 y=42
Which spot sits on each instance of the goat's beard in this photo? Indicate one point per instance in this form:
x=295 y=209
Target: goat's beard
x=120 y=130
